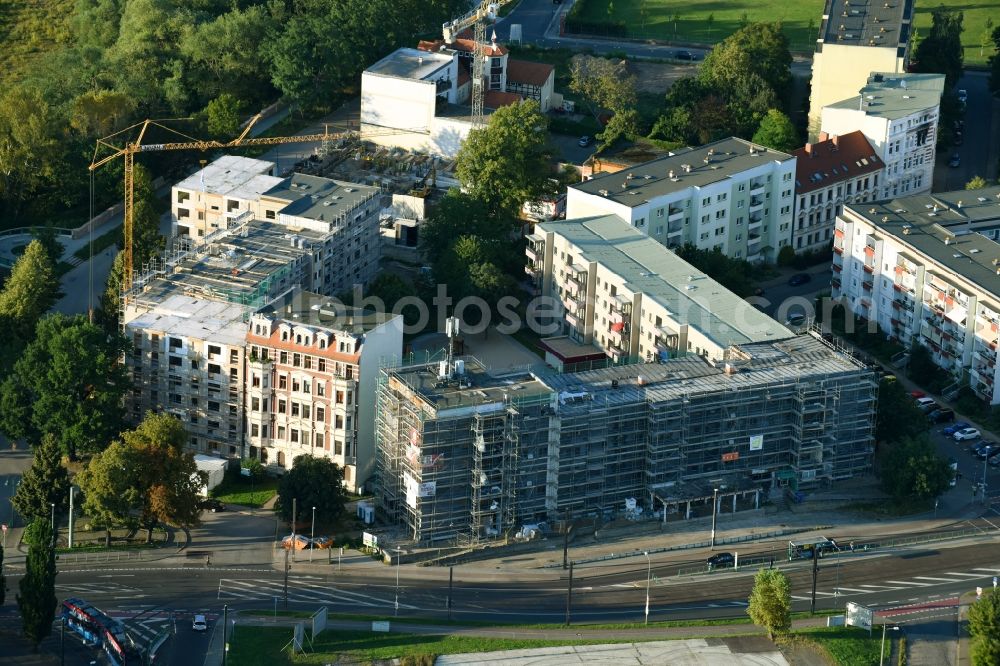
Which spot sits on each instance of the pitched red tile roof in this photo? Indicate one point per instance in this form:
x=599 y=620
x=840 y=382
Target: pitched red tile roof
x=494 y=99
x=832 y=160
x=531 y=73
x=463 y=43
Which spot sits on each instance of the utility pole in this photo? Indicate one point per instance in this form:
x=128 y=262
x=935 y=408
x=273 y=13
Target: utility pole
x=295 y=518
x=225 y=636
x=715 y=506
x=451 y=581
x=70 y=537
x=286 y=576
x=812 y=603
x=566 y=529
x=569 y=594
x=62 y=642
x=312 y=535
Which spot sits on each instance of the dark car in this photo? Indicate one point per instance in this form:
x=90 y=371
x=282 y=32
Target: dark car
x=942 y=415
x=685 y=55
x=955 y=161
x=974 y=449
x=720 y=560
x=584 y=141
x=799 y=279
x=988 y=451
x=211 y=504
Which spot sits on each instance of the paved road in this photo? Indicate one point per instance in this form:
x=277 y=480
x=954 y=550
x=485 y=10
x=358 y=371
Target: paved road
x=979 y=154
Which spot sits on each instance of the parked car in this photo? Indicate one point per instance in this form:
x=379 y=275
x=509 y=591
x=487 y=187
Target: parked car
x=955 y=161
x=976 y=447
x=211 y=504
x=926 y=405
x=199 y=623
x=994 y=461
x=988 y=452
x=322 y=542
x=685 y=55
x=301 y=542
x=955 y=427
x=944 y=415
x=966 y=434
x=957 y=140
x=795 y=320
x=720 y=560
x=963 y=95
x=916 y=395
x=799 y=279
x=584 y=141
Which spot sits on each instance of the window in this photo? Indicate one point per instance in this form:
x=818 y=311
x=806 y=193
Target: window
x=254 y=430
x=283 y=357
x=281 y=432
x=321 y=389
x=307 y=362
x=214 y=351
x=338 y=422
x=255 y=381
x=305 y=411
x=339 y=399
x=183 y=196
x=269 y=214
x=254 y=404
x=296 y=360
x=183 y=213
x=321 y=414
x=295 y=385
x=321 y=363
x=283 y=381
x=282 y=407
x=176 y=361
x=295 y=409
x=319 y=440
x=214 y=369
x=213 y=406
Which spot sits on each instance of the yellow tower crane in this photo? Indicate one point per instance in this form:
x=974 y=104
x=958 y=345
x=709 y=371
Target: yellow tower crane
x=121 y=145
x=476 y=18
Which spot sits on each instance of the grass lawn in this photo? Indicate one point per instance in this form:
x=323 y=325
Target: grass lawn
x=101 y=243
x=238 y=490
x=847 y=646
x=801 y=19
x=251 y=646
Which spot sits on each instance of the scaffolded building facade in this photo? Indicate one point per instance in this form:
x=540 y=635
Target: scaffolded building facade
x=466 y=455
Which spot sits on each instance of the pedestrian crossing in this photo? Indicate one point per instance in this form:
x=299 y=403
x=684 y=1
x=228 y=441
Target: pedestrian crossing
x=946 y=578
x=102 y=589
x=307 y=590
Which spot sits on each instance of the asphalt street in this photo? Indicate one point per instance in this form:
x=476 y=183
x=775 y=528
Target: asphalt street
x=977 y=152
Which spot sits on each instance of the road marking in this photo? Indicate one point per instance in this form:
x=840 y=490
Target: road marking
x=877 y=588
x=797 y=597
x=851 y=589
x=905 y=583
x=958 y=573
x=985 y=569
x=941 y=580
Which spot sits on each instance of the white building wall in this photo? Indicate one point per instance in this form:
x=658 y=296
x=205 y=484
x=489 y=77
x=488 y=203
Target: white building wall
x=382 y=344
x=397 y=102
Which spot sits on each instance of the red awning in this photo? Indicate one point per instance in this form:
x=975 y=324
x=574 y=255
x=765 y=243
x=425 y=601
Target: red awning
x=617 y=327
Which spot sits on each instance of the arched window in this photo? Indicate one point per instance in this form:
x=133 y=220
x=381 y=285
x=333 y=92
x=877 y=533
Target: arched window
x=281 y=458
x=263 y=456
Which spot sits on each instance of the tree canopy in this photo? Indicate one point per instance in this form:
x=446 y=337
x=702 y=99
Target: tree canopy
x=911 y=469
x=314 y=482
x=941 y=50
x=976 y=183
x=30 y=290
x=984 y=627
x=506 y=163
x=770 y=602
x=604 y=83
x=897 y=417
x=45 y=483
x=994 y=62
x=777 y=131
x=69 y=384
x=36 y=598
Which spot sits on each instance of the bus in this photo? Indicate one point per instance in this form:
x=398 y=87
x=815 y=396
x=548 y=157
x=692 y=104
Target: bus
x=820 y=546
x=97 y=628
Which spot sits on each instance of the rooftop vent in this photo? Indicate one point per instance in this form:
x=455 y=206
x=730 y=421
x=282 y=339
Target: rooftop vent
x=686 y=167
x=906 y=230
x=603 y=193
x=947 y=240
x=885 y=218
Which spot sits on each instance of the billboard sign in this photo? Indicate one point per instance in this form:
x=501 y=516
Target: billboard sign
x=859 y=616
x=756 y=442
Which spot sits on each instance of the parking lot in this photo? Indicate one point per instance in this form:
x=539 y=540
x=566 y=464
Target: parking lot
x=971 y=469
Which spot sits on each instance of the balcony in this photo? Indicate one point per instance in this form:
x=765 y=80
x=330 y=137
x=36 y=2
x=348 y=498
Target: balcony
x=868 y=268
x=577 y=274
x=756 y=203
x=835 y=282
x=534 y=270
x=757 y=187
x=868 y=285
x=534 y=253
x=574 y=320
x=675 y=215
x=838 y=249
x=620 y=328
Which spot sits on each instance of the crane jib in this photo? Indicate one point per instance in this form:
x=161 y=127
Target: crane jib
x=151 y=146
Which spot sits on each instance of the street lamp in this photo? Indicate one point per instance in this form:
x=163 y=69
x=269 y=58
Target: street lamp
x=881 y=654
x=398 y=550
x=53 y=522
x=312 y=536
x=715 y=506
x=649 y=570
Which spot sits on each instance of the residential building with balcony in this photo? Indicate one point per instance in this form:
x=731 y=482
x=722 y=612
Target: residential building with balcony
x=634 y=299
x=730 y=195
x=834 y=171
x=916 y=266
x=898 y=114
x=467 y=455
x=312 y=370
x=854 y=40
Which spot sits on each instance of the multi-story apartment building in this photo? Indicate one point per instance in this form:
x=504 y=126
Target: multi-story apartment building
x=855 y=39
x=829 y=173
x=917 y=267
x=466 y=455
x=204 y=201
x=633 y=298
x=731 y=195
x=898 y=114
x=312 y=370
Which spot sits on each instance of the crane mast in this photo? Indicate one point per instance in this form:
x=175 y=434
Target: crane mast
x=475 y=19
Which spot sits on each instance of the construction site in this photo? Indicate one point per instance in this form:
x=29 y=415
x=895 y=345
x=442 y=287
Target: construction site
x=466 y=456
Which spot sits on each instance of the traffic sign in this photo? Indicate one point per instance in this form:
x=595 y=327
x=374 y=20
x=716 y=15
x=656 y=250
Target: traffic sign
x=994 y=577
x=4 y=528
x=979 y=592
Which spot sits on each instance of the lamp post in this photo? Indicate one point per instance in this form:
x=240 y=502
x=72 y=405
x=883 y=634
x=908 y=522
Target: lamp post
x=715 y=506
x=312 y=536
x=985 y=460
x=649 y=571
x=881 y=654
x=396 y=605
x=53 y=523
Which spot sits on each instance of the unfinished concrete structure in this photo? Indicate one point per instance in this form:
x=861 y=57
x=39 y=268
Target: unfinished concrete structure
x=465 y=455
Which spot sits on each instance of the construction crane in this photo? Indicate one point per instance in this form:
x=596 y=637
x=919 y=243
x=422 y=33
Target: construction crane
x=131 y=147
x=476 y=19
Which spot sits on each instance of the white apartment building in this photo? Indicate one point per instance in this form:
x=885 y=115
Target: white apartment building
x=312 y=371
x=633 y=298
x=898 y=114
x=731 y=195
x=855 y=39
x=829 y=173
x=917 y=267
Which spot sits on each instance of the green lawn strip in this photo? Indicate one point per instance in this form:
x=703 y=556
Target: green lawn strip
x=101 y=243
x=238 y=490
x=847 y=646
x=800 y=20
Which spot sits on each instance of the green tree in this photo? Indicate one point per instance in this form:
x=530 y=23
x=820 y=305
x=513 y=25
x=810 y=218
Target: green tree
x=759 y=49
x=45 y=483
x=623 y=125
x=786 y=255
x=994 y=62
x=30 y=290
x=986 y=38
x=69 y=384
x=30 y=152
x=897 y=416
x=109 y=497
x=107 y=314
x=770 y=602
x=911 y=469
x=675 y=19
x=254 y=467
x=603 y=83
x=984 y=627
x=223 y=116
x=147 y=241
x=777 y=131
x=921 y=367
x=98 y=113
x=49 y=238
x=733 y=274
x=36 y=599
x=455 y=214
x=977 y=183
x=314 y=482
x=941 y=51
x=506 y=163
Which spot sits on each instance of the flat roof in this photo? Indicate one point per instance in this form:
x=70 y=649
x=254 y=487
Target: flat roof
x=316 y=198
x=649 y=268
x=726 y=158
x=476 y=387
x=199 y=318
x=896 y=95
x=914 y=222
x=407 y=63
x=226 y=175
x=317 y=311
x=870 y=23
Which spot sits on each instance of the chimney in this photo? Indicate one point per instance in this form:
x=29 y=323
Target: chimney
x=809 y=150
x=823 y=136
x=836 y=142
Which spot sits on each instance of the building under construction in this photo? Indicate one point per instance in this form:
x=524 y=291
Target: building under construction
x=466 y=455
